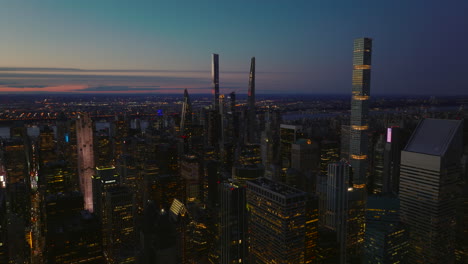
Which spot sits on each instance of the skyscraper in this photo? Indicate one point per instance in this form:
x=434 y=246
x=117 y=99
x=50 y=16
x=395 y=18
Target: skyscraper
x=251 y=115
x=359 y=145
x=333 y=203
x=277 y=222
x=186 y=118
x=119 y=210
x=430 y=172
x=386 y=239
x=84 y=132
x=360 y=110
x=234 y=246
x=215 y=77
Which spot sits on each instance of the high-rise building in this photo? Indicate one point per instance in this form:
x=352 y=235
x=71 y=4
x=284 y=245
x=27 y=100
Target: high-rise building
x=119 y=210
x=234 y=236
x=359 y=141
x=289 y=134
x=430 y=172
x=377 y=165
x=392 y=156
x=251 y=115
x=386 y=239
x=84 y=133
x=215 y=78
x=277 y=222
x=158 y=237
x=360 y=110
x=186 y=117
x=334 y=203
x=344 y=144
x=190 y=172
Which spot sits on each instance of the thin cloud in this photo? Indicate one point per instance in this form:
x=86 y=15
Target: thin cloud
x=117 y=89
x=28 y=86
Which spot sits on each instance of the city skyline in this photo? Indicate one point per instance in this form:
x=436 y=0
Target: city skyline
x=302 y=47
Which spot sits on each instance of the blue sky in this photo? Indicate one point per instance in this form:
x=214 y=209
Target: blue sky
x=300 y=46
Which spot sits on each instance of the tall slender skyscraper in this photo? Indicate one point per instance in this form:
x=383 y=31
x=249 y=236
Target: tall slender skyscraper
x=359 y=146
x=251 y=130
x=186 y=118
x=360 y=110
x=429 y=174
x=215 y=77
x=84 y=132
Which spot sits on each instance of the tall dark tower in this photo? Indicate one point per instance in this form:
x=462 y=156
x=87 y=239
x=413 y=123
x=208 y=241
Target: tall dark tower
x=360 y=110
x=186 y=119
x=251 y=104
x=358 y=147
x=215 y=77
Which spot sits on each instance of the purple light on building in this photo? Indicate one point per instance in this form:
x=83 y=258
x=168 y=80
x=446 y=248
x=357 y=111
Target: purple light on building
x=389 y=135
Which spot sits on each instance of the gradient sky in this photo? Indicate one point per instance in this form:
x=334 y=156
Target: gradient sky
x=420 y=46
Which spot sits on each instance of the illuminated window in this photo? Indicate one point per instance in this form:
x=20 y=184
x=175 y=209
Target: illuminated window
x=359 y=157
x=354 y=127
x=362 y=67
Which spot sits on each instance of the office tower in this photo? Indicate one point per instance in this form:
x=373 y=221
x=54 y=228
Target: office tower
x=161 y=188
x=119 y=133
x=386 y=240
x=305 y=156
x=360 y=110
x=327 y=247
x=57 y=176
x=190 y=172
x=277 y=222
x=47 y=146
x=392 y=156
x=186 y=118
x=377 y=165
x=104 y=179
x=212 y=178
x=429 y=174
x=119 y=232
x=76 y=239
x=333 y=203
x=215 y=79
x=67 y=147
x=16 y=181
x=289 y=134
x=103 y=148
x=71 y=234
x=222 y=124
x=158 y=237
x=311 y=226
x=305 y=160
x=328 y=154
x=234 y=236
x=213 y=128
x=344 y=144
x=251 y=113
x=84 y=133
x=131 y=176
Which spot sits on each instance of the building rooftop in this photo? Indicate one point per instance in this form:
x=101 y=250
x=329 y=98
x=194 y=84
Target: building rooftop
x=276 y=187
x=433 y=136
